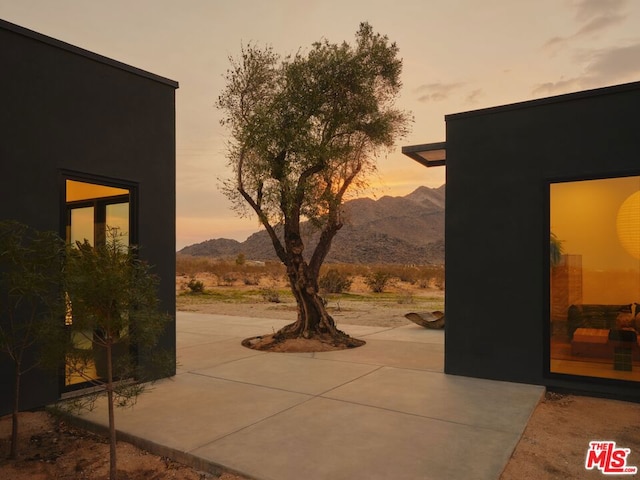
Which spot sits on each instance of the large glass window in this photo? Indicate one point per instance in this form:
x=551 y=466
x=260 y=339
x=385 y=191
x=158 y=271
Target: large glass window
x=595 y=278
x=92 y=211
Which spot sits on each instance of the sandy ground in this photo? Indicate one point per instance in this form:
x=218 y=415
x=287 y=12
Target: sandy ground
x=51 y=449
x=361 y=308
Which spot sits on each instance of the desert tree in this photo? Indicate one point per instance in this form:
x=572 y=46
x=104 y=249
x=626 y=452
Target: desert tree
x=112 y=305
x=31 y=303
x=304 y=133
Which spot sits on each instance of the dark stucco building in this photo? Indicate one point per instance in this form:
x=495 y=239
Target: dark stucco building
x=542 y=241
x=86 y=142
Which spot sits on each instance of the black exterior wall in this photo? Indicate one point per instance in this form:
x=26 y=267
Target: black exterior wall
x=68 y=111
x=499 y=164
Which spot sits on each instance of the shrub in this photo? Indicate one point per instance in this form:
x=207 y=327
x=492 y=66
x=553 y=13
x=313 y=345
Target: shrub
x=270 y=294
x=112 y=295
x=31 y=304
x=377 y=281
x=405 y=297
x=227 y=279
x=195 y=286
x=406 y=273
x=335 y=281
x=251 y=280
x=187 y=265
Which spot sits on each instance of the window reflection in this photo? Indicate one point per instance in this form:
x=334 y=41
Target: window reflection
x=117 y=219
x=82 y=225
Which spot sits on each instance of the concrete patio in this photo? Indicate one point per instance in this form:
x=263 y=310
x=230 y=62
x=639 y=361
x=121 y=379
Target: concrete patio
x=382 y=411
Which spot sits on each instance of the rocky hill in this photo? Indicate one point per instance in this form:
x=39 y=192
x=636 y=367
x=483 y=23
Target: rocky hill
x=403 y=230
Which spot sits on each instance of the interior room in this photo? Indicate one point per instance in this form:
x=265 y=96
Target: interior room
x=595 y=278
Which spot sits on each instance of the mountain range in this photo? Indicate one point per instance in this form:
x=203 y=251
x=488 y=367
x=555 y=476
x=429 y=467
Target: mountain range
x=400 y=230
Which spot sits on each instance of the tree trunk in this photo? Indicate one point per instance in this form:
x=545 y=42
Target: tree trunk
x=13 y=454
x=313 y=319
x=112 y=424
x=314 y=322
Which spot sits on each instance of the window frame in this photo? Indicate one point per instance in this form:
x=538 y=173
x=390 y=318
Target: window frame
x=133 y=188
x=64 y=222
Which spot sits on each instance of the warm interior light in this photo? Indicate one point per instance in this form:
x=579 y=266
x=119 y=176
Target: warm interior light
x=628 y=225
x=90 y=191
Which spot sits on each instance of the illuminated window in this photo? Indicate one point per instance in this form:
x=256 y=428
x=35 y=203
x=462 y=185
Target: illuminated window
x=92 y=211
x=595 y=278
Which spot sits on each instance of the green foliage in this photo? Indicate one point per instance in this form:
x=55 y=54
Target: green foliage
x=334 y=281
x=112 y=304
x=30 y=302
x=195 y=286
x=241 y=259
x=306 y=129
x=377 y=281
x=305 y=132
x=270 y=294
x=30 y=279
x=112 y=294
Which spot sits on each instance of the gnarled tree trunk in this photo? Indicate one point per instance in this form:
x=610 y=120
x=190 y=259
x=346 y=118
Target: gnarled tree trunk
x=313 y=322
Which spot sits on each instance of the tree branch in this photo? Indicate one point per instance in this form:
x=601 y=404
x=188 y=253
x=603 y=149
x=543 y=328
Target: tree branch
x=277 y=245
x=333 y=225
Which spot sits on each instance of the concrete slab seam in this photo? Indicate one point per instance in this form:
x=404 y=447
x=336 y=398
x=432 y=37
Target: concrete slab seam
x=441 y=420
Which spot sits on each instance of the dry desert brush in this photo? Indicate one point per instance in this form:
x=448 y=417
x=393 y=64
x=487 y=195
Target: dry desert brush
x=305 y=131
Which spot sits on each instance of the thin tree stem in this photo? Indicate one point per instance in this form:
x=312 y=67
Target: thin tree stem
x=112 y=424
x=13 y=454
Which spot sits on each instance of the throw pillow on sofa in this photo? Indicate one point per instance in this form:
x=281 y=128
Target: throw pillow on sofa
x=625 y=320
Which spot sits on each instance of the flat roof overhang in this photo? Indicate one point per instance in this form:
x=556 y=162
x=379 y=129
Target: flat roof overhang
x=427 y=154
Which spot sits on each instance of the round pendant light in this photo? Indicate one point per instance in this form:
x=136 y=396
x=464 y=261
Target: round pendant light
x=628 y=225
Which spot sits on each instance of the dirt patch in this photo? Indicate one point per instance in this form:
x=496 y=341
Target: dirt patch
x=555 y=443
x=50 y=448
x=272 y=343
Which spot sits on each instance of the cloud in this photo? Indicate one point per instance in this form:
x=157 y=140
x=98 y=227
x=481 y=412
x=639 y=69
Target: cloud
x=554 y=43
x=599 y=23
x=586 y=10
x=615 y=64
x=474 y=96
x=593 y=17
x=436 y=92
x=552 y=88
x=603 y=67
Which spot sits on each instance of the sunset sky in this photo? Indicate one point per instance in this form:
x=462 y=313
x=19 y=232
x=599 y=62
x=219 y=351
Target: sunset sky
x=458 y=55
